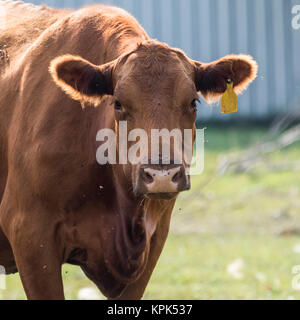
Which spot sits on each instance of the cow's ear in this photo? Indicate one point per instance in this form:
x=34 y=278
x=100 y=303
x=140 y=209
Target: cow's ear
x=82 y=80
x=211 y=78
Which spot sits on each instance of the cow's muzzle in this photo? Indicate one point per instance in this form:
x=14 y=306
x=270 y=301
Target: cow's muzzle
x=162 y=181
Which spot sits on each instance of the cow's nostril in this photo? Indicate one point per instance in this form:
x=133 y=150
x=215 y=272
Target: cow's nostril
x=148 y=178
x=177 y=177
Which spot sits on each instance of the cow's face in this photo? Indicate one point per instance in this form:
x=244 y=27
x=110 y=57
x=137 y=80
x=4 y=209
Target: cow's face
x=154 y=88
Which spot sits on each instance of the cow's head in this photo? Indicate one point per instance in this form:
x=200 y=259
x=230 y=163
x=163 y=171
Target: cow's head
x=153 y=87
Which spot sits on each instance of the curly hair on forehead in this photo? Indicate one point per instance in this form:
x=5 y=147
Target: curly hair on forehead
x=155 y=58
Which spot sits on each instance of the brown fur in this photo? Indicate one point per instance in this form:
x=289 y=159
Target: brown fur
x=15 y=33
x=58 y=205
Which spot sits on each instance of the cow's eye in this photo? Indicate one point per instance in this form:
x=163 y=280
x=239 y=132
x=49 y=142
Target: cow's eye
x=118 y=105
x=193 y=105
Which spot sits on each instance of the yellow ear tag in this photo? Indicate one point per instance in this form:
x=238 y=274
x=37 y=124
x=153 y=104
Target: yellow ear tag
x=229 y=100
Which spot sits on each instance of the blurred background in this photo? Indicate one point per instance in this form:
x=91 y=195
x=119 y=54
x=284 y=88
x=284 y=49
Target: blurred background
x=236 y=234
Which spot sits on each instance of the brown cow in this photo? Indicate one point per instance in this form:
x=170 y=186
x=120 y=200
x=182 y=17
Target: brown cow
x=58 y=205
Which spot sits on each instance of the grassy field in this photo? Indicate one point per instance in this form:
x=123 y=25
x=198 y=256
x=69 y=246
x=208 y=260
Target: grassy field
x=233 y=236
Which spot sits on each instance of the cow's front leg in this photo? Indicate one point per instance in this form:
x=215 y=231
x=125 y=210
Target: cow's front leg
x=40 y=273
x=38 y=255
x=7 y=259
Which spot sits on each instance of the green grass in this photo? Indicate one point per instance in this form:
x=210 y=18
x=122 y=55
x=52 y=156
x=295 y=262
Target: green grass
x=222 y=219
x=194 y=266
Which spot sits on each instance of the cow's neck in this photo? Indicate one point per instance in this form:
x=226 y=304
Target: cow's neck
x=136 y=220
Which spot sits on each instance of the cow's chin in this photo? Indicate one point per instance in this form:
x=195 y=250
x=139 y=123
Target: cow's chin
x=162 y=195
